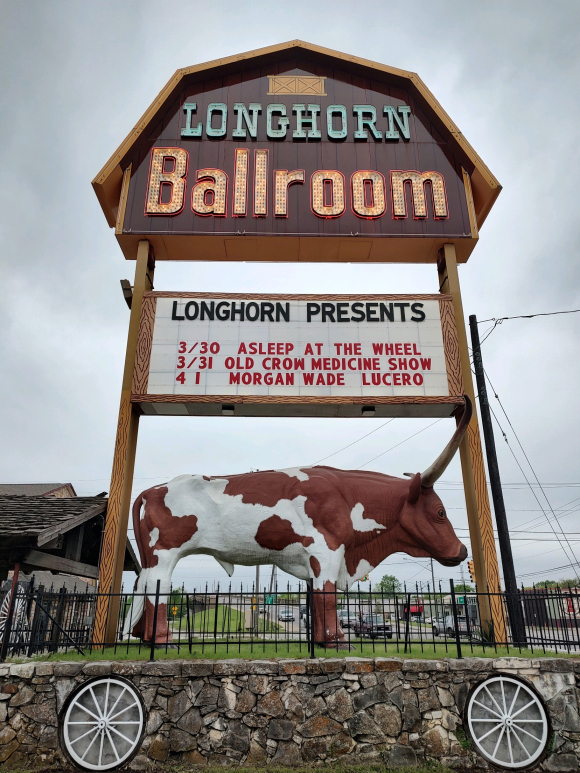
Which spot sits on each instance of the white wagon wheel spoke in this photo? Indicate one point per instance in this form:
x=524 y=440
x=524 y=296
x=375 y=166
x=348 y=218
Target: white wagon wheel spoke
x=489 y=732
x=92 y=730
x=519 y=711
x=515 y=746
x=483 y=706
x=108 y=738
x=119 y=696
x=516 y=736
x=89 y=746
x=113 y=747
x=124 y=737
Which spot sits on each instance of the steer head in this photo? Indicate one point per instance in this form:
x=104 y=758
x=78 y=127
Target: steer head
x=426 y=530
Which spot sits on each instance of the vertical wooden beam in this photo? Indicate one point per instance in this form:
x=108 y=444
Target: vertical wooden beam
x=116 y=522
x=473 y=468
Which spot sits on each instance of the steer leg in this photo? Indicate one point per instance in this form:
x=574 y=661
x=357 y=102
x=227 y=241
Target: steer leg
x=161 y=572
x=327 y=630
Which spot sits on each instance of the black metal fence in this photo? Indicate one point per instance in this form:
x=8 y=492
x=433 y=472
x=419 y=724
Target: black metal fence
x=292 y=622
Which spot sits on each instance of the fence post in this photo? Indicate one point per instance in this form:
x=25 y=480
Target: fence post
x=455 y=620
x=154 y=636
x=407 y=622
x=311 y=621
x=8 y=626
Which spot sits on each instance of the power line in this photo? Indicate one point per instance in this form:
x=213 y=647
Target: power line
x=400 y=444
x=353 y=443
x=499 y=320
x=550 y=521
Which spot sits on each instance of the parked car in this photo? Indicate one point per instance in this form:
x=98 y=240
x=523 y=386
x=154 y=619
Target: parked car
x=347 y=618
x=286 y=615
x=447 y=625
x=373 y=626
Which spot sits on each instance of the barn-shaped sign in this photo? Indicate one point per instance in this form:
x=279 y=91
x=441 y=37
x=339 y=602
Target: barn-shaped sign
x=296 y=153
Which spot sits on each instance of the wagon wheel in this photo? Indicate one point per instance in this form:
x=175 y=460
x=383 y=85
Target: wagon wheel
x=103 y=724
x=507 y=722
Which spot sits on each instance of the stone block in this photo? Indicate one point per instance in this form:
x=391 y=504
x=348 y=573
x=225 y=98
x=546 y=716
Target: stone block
x=368 y=680
x=271 y=705
x=257 y=755
x=162 y=668
x=436 y=742
x=197 y=667
x=22 y=670
x=193 y=758
x=180 y=741
x=362 y=727
x=177 y=705
x=24 y=695
x=159 y=748
x=331 y=665
x=424 y=666
x=388 y=664
x=262 y=667
x=154 y=722
x=445 y=697
x=561 y=763
x=43 y=713
x=388 y=719
x=237 y=737
x=208 y=696
x=281 y=730
x=44 y=669
x=6 y=735
x=229 y=667
x=476 y=665
x=8 y=749
x=258 y=684
x=339 y=706
x=287 y=754
x=402 y=757
x=67 y=669
x=292 y=666
x=313 y=748
x=558 y=665
x=319 y=725
x=97 y=669
x=365 y=698
x=245 y=701
x=190 y=721
x=126 y=668
x=359 y=665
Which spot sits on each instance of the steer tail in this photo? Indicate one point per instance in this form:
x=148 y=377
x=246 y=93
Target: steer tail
x=135 y=613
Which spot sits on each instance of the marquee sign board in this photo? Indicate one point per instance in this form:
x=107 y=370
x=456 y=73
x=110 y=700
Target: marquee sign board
x=296 y=153
x=310 y=355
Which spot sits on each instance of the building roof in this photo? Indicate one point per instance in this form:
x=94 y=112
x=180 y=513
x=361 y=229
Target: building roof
x=37 y=489
x=108 y=182
x=44 y=517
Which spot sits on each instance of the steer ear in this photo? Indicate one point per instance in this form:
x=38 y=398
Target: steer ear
x=414 y=488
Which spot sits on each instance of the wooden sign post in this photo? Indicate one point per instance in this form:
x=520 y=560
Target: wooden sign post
x=295 y=153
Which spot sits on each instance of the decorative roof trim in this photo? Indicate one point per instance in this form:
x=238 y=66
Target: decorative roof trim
x=107 y=183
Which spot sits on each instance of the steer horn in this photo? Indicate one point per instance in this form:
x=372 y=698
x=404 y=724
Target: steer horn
x=433 y=473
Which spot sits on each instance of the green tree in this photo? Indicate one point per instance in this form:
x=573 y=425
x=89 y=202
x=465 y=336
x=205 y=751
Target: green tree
x=463 y=587
x=389 y=584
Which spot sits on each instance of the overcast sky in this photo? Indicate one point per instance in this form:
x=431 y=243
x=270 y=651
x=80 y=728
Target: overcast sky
x=76 y=77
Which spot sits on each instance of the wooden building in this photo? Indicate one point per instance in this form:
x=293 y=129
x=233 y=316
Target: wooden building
x=60 y=533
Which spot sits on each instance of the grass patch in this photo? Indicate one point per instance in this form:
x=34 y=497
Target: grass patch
x=224 y=620
x=269 y=650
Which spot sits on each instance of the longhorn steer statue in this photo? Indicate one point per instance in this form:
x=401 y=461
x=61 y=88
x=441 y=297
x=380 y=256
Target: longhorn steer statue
x=317 y=523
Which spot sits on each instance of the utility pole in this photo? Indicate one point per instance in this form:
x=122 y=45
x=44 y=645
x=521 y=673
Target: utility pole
x=515 y=611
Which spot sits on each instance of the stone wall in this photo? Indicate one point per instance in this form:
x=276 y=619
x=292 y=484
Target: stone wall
x=288 y=712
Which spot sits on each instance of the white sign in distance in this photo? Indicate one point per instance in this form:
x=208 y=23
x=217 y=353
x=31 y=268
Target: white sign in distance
x=296 y=355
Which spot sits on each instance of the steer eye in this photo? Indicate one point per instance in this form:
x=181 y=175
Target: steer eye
x=441 y=513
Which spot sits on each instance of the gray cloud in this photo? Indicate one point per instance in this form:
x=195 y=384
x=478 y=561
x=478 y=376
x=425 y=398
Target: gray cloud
x=75 y=77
